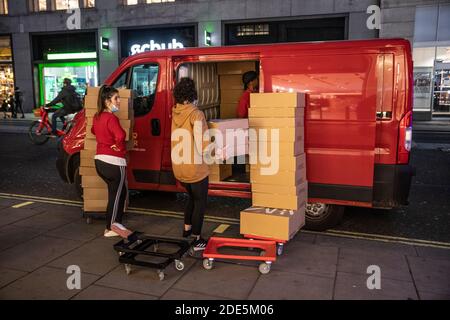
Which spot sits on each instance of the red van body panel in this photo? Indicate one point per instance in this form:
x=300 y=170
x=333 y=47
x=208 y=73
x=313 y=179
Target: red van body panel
x=358 y=94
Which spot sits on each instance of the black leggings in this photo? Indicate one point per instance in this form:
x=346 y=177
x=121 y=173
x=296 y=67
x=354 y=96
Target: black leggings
x=116 y=178
x=196 y=206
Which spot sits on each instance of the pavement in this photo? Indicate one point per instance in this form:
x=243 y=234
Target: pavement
x=39 y=240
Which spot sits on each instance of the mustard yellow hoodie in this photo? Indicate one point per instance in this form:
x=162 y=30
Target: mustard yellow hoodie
x=184 y=116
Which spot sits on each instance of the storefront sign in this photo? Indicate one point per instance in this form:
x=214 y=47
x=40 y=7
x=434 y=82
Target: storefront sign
x=152 y=45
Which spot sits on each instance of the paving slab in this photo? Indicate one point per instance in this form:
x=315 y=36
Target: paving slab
x=36 y=252
x=6 y=203
x=424 y=295
x=11 y=236
x=224 y=280
x=95 y=257
x=78 y=230
x=46 y=221
x=306 y=258
x=434 y=253
x=95 y=292
x=176 y=294
x=351 y=286
x=342 y=242
x=304 y=237
x=43 y=284
x=430 y=275
x=10 y=215
x=393 y=265
x=144 y=280
x=8 y=275
x=278 y=285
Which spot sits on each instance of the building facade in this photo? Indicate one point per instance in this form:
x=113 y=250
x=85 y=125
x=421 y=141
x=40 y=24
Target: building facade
x=43 y=41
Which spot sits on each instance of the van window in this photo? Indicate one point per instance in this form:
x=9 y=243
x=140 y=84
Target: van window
x=144 y=80
x=121 y=82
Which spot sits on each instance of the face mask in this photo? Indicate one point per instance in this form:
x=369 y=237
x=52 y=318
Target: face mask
x=114 y=108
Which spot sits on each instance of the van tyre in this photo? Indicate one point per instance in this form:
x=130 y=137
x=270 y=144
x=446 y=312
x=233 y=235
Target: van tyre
x=320 y=216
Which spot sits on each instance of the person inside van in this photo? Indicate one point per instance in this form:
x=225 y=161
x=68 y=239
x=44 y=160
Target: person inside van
x=250 y=80
x=110 y=161
x=193 y=176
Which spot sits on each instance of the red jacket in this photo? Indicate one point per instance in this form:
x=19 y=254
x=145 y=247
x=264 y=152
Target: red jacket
x=244 y=104
x=107 y=130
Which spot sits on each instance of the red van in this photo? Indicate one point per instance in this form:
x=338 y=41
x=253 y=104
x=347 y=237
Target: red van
x=358 y=118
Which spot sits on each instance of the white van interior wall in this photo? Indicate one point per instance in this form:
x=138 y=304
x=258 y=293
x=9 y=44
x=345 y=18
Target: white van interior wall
x=207 y=83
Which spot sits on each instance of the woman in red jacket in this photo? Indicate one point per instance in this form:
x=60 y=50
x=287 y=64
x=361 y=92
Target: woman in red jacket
x=110 y=161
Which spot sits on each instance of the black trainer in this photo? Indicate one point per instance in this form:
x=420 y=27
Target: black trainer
x=187 y=233
x=199 y=244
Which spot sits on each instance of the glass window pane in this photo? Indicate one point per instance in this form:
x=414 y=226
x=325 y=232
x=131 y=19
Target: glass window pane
x=42 y=5
x=122 y=81
x=441 y=102
x=143 y=82
x=425 y=24
x=89 y=4
x=130 y=2
x=66 y=4
x=423 y=77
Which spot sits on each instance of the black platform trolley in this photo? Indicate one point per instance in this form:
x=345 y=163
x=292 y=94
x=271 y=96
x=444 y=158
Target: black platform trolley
x=141 y=246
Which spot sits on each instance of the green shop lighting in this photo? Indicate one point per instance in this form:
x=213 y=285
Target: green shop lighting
x=104 y=43
x=72 y=56
x=208 y=41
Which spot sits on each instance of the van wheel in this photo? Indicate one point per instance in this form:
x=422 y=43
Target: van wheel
x=320 y=216
x=77 y=178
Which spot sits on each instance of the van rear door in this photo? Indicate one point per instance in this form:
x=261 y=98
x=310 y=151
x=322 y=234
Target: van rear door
x=340 y=119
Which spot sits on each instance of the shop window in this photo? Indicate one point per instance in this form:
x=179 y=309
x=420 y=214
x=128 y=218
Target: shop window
x=6 y=68
x=423 y=77
x=3 y=6
x=89 y=4
x=122 y=81
x=441 y=98
x=253 y=30
x=144 y=79
x=133 y=2
x=66 y=4
x=159 y=1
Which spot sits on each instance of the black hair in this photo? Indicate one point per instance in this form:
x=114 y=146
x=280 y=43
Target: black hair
x=248 y=77
x=185 y=91
x=68 y=81
x=106 y=92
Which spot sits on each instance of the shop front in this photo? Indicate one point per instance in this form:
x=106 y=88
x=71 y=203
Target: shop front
x=6 y=69
x=298 y=30
x=60 y=56
x=134 y=41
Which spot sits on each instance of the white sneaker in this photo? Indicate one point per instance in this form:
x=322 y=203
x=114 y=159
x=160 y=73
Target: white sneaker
x=110 y=233
x=119 y=229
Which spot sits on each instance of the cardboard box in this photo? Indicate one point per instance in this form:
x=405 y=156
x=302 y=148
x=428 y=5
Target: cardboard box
x=125 y=112
x=220 y=172
x=95 y=193
x=291 y=164
x=93 y=91
x=88 y=171
x=285 y=190
x=88 y=154
x=284 y=178
x=276 y=122
x=231 y=82
x=231 y=96
x=223 y=124
x=126 y=94
x=239 y=67
x=92 y=182
x=285 y=149
x=282 y=201
x=95 y=205
x=90 y=144
x=272 y=223
x=228 y=110
x=278 y=100
x=276 y=113
x=284 y=134
x=90 y=102
x=87 y=162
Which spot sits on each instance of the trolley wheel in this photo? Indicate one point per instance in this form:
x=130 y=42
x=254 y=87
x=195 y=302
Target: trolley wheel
x=191 y=252
x=207 y=264
x=155 y=247
x=88 y=220
x=179 y=265
x=264 y=268
x=161 y=275
x=128 y=269
x=280 y=248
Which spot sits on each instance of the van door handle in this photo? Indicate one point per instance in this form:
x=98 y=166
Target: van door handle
x=156 y=127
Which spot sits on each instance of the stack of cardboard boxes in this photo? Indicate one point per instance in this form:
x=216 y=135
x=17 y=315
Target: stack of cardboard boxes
x=95 y=191
x=238 y=144
x=279 y=197
x=231 y=86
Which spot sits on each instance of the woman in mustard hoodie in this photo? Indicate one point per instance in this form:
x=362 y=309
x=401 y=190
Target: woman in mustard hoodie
x=190 y=169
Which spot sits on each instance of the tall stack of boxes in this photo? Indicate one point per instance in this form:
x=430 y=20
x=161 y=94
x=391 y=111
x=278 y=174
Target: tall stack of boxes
x=231 y=86
x=95 y=191
x=279 y=198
